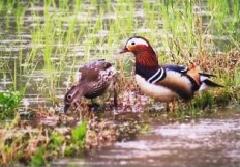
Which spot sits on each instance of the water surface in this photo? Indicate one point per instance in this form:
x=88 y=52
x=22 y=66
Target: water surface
x=211 y=142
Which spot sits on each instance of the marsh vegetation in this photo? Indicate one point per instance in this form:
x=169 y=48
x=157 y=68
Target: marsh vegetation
x=43 y=43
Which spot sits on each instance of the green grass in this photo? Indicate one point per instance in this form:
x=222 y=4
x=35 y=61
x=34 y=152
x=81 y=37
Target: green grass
x=46 y=144
x=38 y=158
x=78 y=134
x=58 y=31
x=180 y=31
x=175 y=30
x=9 y=101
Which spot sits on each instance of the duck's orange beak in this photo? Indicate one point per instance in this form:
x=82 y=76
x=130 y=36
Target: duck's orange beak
x=124 y=50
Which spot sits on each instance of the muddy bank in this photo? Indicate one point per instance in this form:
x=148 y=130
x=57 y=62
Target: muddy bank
x=53 y=136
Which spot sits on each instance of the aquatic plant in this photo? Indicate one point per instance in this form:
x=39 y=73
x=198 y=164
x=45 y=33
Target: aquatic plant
x=78 y=134
x=64 y=35
x=9 y=101
x=44 y=42
x=38 y=158
x=37 y=146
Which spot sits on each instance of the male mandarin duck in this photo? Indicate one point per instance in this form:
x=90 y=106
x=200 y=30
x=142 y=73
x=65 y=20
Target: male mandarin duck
x=94 y=79
x=165 y=82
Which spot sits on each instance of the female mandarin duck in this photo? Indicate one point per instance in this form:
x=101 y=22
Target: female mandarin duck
x=165 y=82
x=94 y=79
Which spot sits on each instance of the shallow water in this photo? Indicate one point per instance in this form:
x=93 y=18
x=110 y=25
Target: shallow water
x=211 y=142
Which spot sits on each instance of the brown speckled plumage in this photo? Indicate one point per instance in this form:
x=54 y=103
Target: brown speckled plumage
x=94 y=79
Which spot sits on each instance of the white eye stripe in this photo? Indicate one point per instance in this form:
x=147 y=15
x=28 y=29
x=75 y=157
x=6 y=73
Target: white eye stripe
x=137 y=41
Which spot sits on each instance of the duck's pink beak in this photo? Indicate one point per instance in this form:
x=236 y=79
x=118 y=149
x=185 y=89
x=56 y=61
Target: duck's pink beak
x=124 y=50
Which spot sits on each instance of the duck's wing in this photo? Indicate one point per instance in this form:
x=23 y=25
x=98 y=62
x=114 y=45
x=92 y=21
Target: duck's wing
x=198 y=79
x=176 y=78
x=177 y=68
x=91 y=71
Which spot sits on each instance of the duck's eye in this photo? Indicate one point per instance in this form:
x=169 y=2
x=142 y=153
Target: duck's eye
x=69 y=97
x=132 y=43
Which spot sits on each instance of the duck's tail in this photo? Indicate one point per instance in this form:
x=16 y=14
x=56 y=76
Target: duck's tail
x=206 y=82
x=203 y=79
